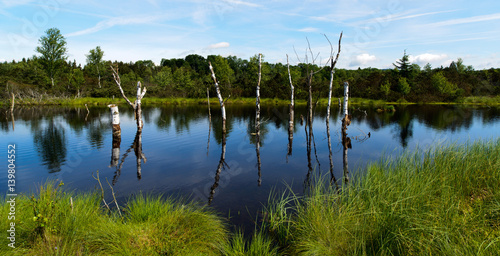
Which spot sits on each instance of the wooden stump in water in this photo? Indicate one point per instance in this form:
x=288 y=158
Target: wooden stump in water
x=115 y=122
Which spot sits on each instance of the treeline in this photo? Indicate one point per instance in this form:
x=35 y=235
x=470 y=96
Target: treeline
x=190 y=77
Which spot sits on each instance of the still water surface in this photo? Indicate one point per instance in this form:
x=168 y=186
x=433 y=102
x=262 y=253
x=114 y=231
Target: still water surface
x=181 y=148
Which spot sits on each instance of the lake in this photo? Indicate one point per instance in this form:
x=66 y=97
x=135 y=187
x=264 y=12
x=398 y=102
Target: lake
x=181 y=148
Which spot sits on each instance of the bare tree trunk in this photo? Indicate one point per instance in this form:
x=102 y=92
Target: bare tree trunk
x=332 y=72
x=346 y=141
x=115 y=121
x=257 y=101
x=291 y=111
x=333 y=180
x=137 y=104
x=221 y=100
x=257 y=122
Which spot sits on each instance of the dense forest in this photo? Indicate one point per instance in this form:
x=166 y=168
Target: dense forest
x=51 y=73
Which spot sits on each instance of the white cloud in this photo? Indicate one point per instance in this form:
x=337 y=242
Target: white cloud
x=111 y=22
x=402 y=16
x=308 y=29
x=218 y=45
x=11 y=3
x=425 y=58
x=362 y=59
x=241 y=3
x=495 y=16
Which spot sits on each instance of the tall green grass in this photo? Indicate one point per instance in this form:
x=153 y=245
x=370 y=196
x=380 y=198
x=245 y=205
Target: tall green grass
x=48 y=224
x=442 y=202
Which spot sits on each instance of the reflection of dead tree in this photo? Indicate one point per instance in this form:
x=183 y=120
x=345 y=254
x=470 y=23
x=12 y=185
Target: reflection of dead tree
x=291 y=111
x=221 y=166
x=222 y=102
x=257 y=121
x=209 y=120
x=12 y=111
x=88 y=112
x=137 y=147
x=138 y=153
x=259 y=164
x=137 y=104
x=333 y=180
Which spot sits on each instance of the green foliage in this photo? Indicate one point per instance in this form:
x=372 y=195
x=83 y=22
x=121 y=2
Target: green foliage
x=53 y=50
x=403 y=86
x=190 y=77
x=385 y=88
x=95 y=62
x=403 y=65
x=445 y=87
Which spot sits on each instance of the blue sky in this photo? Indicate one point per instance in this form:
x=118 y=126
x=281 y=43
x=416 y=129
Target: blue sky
x=375 y=32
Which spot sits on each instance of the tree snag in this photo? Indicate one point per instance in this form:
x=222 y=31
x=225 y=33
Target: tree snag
x=137 y=104
x=219 y=96
x=291 y=110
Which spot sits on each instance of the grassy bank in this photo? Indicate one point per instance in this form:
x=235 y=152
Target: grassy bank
x=66 y=101
x=445 y=201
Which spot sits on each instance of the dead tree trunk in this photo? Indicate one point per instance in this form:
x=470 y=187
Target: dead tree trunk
x=257 y=101
x=333 y=180
x=332 y=72
x=137 y=104
x=346 y=141
x=115 y=122
x=221 y=100
x=257 y=122
x=12 y=111
x=291 y=111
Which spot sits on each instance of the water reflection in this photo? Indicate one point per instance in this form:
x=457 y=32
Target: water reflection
x=140 y=157
x=221 y=166
x=50 y=144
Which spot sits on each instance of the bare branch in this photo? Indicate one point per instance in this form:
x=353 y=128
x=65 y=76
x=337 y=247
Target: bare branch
x=118 y=82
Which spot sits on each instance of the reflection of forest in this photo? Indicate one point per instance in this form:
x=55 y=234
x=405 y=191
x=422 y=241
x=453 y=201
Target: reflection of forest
x=50 y=124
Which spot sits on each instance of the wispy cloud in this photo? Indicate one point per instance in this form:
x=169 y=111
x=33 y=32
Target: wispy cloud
x=402 y=16
x=480 y=18
x=237 y=2
x=115 y=21
x=308 y=29
x=11 y=3
x=218 y=45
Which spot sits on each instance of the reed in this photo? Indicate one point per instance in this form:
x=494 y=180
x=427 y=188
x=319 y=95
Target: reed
x=444 y=201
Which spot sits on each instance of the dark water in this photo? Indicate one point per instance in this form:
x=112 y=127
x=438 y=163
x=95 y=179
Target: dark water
x=183 y=151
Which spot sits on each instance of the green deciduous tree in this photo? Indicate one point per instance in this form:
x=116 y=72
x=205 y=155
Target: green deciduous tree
x=403 y=86
x=385 y=88
x=445 y=87
x=94 y=59
x=53 y=50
